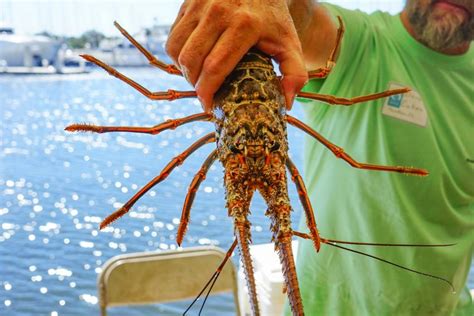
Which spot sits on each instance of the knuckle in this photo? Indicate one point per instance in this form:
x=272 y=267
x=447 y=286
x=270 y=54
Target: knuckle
x=188 y=65
x=196 y=3
x=217 y=9
x=246 y=20
x=212 y=66
x=210 y=22
x=171 y=49
x=184 y=59
x=183 y=8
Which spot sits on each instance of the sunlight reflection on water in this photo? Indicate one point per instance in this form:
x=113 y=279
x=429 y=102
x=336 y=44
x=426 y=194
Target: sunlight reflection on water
x=56 y=187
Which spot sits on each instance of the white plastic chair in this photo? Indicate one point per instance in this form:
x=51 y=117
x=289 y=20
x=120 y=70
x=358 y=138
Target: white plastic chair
x=158 y=277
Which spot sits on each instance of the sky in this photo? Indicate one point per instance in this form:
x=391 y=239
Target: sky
x=73 y=17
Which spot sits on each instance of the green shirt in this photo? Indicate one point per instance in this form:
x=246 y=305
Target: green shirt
x=431 y=128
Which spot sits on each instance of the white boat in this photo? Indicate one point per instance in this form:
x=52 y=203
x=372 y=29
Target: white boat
x=32 y=54
x=26 y=50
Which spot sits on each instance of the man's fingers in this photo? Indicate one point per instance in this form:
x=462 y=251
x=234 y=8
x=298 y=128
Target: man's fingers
x=282 y=43
x=228 y=51
x=209 y=38
x=178 y=36
x=294 y=74
x=197 y=47
x=180 y=15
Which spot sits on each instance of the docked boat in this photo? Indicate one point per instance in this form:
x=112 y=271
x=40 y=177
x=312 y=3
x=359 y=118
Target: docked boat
x=32 y=54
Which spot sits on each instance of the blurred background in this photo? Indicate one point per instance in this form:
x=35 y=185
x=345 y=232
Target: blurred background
x=56 y=187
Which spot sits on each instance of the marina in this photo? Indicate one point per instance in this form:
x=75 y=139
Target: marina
x=35 y=54
x=39 y=54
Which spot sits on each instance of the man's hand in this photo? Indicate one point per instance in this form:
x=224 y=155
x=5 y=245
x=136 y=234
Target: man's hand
x=209 y=37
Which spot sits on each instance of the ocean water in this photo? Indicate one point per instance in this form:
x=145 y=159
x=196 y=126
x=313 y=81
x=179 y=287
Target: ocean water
x=56 y=187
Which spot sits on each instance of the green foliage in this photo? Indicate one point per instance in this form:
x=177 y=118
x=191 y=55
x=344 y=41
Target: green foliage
x=76 y=42
x=93 y=38
x=49 y=35
x=89 y=39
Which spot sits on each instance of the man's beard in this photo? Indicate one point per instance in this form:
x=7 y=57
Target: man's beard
x=439 y=30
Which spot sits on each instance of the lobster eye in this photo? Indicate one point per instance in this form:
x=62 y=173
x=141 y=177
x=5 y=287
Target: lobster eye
x=234 y=149
x=275 y=146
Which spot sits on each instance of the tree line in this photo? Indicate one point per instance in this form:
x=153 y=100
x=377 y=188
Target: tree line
x=89 y=39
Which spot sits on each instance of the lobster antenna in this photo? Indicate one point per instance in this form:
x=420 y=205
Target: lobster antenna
x=209 y=292
x=393 y=264
x=213 y=279
x=335 y=241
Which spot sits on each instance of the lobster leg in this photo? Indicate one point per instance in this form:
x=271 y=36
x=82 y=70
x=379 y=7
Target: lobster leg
x=350 y=101
x=308 y=209
x=324 y=71
x=169 y=95
x=339 y=152
x=169 y=124
x=188 y=202
x=162 y=176
x=171 y=69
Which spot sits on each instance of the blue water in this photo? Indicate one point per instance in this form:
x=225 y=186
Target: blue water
x=57 y=187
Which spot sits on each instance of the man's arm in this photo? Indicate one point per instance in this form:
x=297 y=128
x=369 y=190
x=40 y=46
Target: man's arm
x=316 y=31
x=209 y=37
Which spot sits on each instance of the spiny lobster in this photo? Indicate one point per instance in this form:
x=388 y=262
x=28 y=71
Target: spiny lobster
x=250 y=119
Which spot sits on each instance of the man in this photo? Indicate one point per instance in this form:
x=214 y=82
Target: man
x=427 y=48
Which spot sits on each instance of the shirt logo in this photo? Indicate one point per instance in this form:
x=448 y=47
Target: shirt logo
x=408 y=107
x=395 y=100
